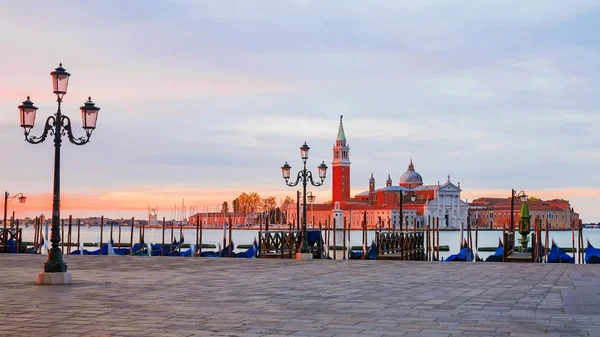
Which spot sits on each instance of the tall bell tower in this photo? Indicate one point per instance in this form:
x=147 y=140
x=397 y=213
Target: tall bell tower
x=341 y=167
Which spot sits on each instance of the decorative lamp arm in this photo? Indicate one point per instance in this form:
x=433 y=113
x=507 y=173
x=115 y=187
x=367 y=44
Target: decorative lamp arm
x=290 y=184
x=14 y=196
x=309 y=177
x=66 y=123
x=48 y=129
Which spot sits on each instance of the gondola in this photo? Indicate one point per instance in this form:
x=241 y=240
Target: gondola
x=557 y=255
x=592 y=254
x=371 y=253
x=498 y=255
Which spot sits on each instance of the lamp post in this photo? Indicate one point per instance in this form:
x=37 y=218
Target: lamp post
x=311 y=201
x=412 y=197
x=7 y=199
x=57 y=125
x=305 y=176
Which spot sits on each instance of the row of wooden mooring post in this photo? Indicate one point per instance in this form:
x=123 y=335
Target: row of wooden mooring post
x=67 y=230
x=539 y=251
x=330 y=229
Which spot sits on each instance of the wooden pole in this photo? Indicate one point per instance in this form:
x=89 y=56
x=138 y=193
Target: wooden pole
x=581 y=258
x=344 y=238
x=573 y=237
x=119 y=244
x=35 y=235
x=143 y=227
x=18 y=237
x=200 y=240
x=225 y=236
x=364 y=235
x=62 y=243
x=131 y=236
x=69 y=236
x=111 y=232
x=40 y=235
x=101 y=232
x=197 y=234
x=79 y=234
x=162 y=247
x=334 y=243
x=172 y=236
x=180 y=236
x=141 y=239
x=547 y=242
x=437 y=238
x=230 y=251
x=320 y=239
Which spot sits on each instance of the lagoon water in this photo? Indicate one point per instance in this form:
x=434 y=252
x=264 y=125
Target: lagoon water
x=486 y=238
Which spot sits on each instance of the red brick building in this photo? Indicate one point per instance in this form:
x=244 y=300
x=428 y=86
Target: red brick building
x=495 y=212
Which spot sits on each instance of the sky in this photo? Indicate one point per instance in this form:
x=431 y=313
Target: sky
x=203 y=100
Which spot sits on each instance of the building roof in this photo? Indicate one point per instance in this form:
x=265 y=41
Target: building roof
x=504 y=204
x=341 y=136
x=411 y=176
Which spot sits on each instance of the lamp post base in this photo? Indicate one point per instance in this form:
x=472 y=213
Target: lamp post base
x=304 y=256
x=54 y=278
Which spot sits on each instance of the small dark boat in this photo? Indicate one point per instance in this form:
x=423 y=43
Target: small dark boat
x=12 y=247
x=249 y=253
x=465 y=255
x=498 y=255
x=592 y=254
x=371 y=253
x=557 y=255
x=216 y=253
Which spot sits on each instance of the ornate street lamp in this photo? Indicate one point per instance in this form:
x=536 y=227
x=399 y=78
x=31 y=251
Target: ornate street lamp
x=305 y=176
x=57 y=125
x=411 y=195
x=7 y=199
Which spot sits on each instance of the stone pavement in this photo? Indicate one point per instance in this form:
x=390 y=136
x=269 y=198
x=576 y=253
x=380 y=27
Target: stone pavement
x=168 y=296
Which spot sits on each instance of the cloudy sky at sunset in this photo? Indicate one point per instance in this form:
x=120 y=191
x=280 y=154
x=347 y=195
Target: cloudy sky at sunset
x=202 y=100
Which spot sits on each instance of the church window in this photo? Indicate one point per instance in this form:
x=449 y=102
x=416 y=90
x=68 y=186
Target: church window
x=337 y=155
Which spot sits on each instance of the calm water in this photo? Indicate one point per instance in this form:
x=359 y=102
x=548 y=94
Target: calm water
x=215 y=236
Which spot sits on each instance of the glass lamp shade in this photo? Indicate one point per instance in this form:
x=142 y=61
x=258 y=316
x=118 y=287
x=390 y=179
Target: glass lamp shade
x=27 y=113
x=285 y=170
x=413 y=197
x=60 y=80
x=524 y=197
x=322 y=170
x=89 y=114
x=22 y=199
x=304 y=151
x=311 y=198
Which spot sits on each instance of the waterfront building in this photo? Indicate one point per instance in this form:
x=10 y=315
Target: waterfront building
x=217 y=219
x=382 y=205
x=495 y=212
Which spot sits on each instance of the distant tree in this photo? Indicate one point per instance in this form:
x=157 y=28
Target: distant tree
x=225 y=207
x=284 y=205
x=236 y=204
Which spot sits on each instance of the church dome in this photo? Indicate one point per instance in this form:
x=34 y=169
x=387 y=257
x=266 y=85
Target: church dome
x=411 y=178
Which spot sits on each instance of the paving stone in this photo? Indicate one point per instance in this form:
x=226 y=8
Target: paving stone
x=166 y=296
